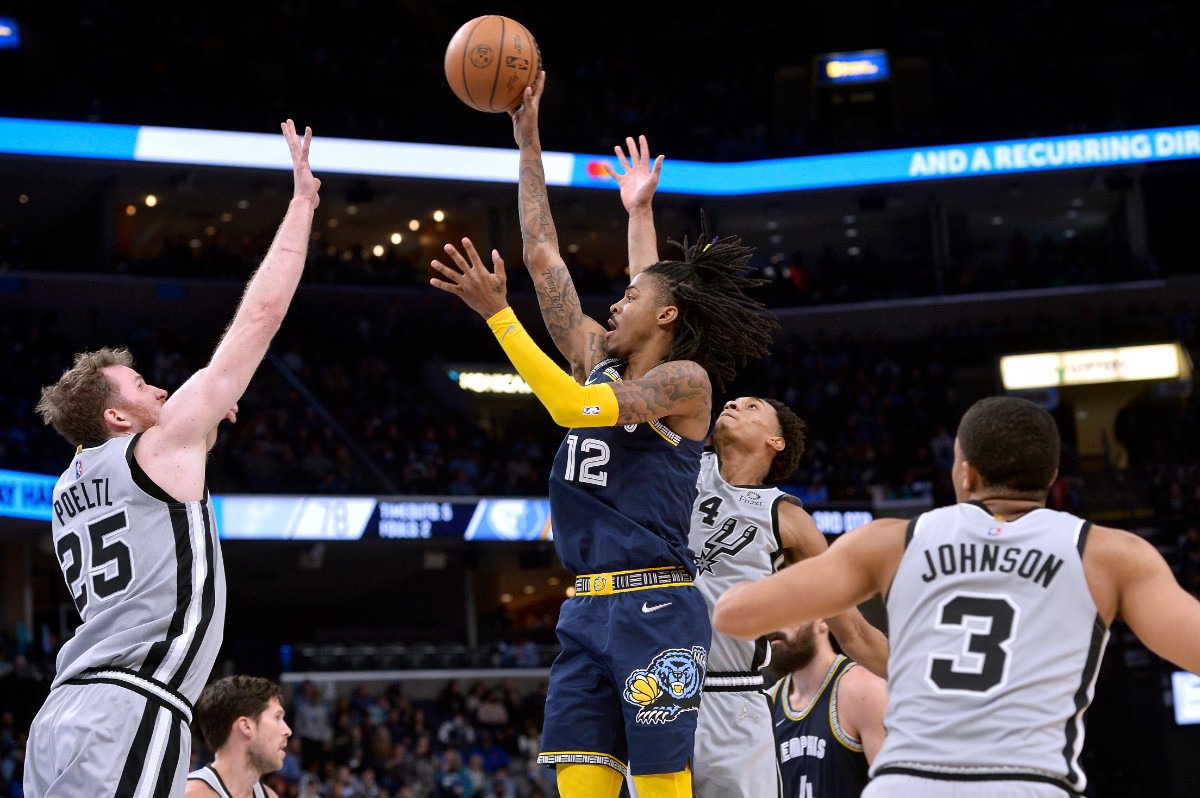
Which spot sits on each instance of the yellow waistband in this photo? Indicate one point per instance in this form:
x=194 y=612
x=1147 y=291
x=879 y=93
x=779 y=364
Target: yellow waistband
x=625 y=581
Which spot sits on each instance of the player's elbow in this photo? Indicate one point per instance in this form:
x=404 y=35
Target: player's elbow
x=268 y=315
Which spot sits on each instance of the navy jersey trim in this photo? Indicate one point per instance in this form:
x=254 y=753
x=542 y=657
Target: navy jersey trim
x=910 y=530
x=1083 y=536
x=170 y=763
x=183 y=709
x=1041 y=778
x=1091 y=666
x=135 y=763
x=141 y=478
x=208 y=602
x=183 y=588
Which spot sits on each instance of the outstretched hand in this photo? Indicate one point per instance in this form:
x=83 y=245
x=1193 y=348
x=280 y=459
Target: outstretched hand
x=485 y=292
x=525 y=115
x=306 y=185
x=638 y=180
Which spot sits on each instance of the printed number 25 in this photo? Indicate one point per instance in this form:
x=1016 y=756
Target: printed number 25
x=989 y=623
x=111 y=568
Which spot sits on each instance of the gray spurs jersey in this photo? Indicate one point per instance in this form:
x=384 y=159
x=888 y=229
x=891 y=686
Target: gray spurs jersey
x=735 y=535
x=995 y=648
x=145 y=573
x=210 y=777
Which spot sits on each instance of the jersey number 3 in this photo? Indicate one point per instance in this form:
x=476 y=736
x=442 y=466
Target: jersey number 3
x=110 y=569
x=988 y=624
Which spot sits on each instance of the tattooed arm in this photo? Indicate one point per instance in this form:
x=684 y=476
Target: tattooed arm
x=678 y=392
x=580 y=338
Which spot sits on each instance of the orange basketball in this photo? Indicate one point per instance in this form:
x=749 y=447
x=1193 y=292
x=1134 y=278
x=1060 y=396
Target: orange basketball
x=490 y=61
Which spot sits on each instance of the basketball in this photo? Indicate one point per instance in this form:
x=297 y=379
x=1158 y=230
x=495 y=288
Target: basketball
x=490 y=61
x=644 y=689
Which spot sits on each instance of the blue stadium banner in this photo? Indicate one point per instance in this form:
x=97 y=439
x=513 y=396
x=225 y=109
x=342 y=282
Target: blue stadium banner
x=481 y=164
x=25 y=495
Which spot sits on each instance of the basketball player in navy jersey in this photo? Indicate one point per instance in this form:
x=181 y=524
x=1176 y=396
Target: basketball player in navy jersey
x=241 y=718
x=999 y=610
x=635 y=637
x=743 y=527
x=136 y=538
x=827 y=713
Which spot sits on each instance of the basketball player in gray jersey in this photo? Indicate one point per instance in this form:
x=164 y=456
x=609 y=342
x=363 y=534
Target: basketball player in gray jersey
x=136 y=538
x=742 y=528
x=999 y=610
x=241 y=718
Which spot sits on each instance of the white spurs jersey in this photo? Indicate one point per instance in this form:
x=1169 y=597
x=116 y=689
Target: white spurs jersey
x=209 y=776
x=995 y=648
x=735 y=536
x=145 y=573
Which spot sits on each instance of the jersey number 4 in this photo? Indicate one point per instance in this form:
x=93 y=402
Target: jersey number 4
x=988 y=625
x=109 y=563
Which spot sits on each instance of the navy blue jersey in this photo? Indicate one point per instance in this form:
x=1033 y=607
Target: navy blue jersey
x=817 y=759
x=621 y=497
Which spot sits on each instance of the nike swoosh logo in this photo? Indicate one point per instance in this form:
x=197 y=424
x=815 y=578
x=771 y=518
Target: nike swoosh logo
x=646 y=608
x=511 y=327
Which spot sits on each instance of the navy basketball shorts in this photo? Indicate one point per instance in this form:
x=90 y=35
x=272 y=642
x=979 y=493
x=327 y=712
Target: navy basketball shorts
x=627 y=686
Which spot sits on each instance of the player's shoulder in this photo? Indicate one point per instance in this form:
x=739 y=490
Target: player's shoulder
x=857 y=677
x=197 y=787
x=1118 y=548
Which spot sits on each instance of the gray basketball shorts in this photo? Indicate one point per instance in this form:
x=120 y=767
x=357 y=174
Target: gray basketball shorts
x=735 y=747
x=104 y=739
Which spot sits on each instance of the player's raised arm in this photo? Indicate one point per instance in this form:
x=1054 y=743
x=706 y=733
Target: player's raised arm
x=672 y=389
x=638 y=180
x=189 y=416
x=578 y=337
x=861 y=641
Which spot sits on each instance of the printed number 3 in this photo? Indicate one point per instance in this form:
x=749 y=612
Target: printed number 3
x=590 y=468
x=989 y=622
x=111 y=569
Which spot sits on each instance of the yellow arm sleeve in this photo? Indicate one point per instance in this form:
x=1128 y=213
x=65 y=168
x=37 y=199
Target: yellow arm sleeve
x=570 y=404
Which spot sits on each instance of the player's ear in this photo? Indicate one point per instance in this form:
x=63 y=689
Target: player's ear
x=244 y=726
x=117 y=421
x=970 y=476
x=777 y=443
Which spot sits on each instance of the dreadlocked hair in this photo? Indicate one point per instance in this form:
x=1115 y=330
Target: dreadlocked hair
x=719 y=326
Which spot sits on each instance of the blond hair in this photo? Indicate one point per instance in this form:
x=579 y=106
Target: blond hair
x=75 y=404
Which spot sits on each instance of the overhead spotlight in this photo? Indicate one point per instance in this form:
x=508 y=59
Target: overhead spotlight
x=397 y=238
x=439 y=216
x=151 y=200
x=414 y=225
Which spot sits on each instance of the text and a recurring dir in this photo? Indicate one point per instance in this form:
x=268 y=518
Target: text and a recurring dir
x=1058 y=153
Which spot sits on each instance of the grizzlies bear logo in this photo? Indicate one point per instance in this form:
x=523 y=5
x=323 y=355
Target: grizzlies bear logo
x=669 y=686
